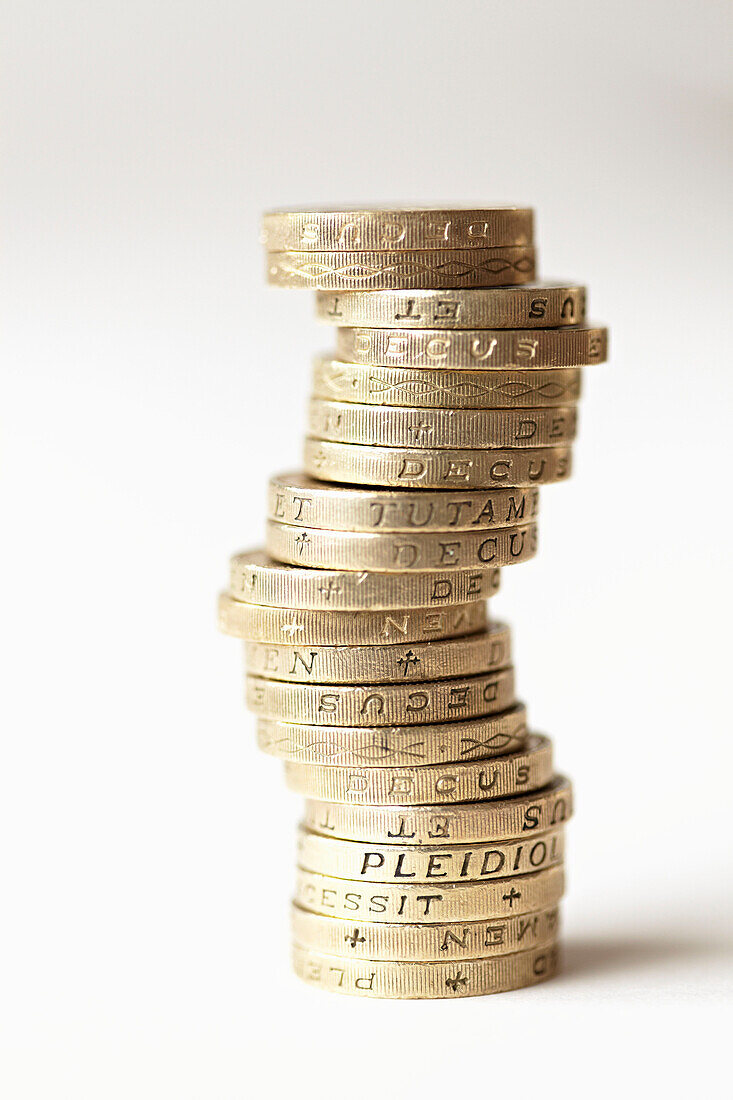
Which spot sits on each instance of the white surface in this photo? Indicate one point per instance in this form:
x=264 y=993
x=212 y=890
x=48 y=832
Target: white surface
x=150 y=383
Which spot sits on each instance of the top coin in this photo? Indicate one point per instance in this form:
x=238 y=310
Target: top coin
x=374 y=229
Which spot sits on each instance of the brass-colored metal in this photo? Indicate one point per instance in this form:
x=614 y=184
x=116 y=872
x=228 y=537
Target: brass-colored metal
x=413 y=552
x=526 y=307
x=335 y=380
x=430 y=857
x=415 y=468
x=302 y=501
x=380 y=229
x=382 y=664
x=451 y=429
x=451 y=863
x=468 y=823
x=527 y=769
x=474 y=349
x=412 y=903
x=394 y=269
x=307 y=626
x=255 y=578
x=381 y=704
x=425 y=980
x=396 y=746
x=424 y=942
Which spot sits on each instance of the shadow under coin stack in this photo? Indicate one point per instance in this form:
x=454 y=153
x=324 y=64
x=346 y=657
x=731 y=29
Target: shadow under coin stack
x=430 y=857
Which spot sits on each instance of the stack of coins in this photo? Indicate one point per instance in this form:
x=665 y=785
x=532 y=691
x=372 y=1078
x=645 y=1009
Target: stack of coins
x=430 y=857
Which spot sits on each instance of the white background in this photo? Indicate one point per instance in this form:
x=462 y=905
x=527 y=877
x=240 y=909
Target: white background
x=150 y=383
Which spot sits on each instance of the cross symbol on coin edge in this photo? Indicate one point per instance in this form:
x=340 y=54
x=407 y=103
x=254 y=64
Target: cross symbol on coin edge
x=408 y=659
x=354 y=938
x=301 y=541
x=454 y=982
x=511 y=897
x=330 y=588
x=418 y=431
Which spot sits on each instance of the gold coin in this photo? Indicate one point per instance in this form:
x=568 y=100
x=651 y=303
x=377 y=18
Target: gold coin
x=381 y=704
x=298 y=499
x=341 y=422
x=378 y=664
x=415 y=468
x=395 y=746
x=412 y=903
x=425 y=980
x=394 y=269
x=256 y=578
x=432 y=784
x=451 y=863
x=444 y=389
x=416 y=551
x=521 y=816
x=424 y=942
x=321 y=627
x=530 y=307
x=475 y=350
x=372 y=229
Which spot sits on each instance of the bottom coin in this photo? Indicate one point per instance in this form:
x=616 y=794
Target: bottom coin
x=424 y=942
x=423 y=980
